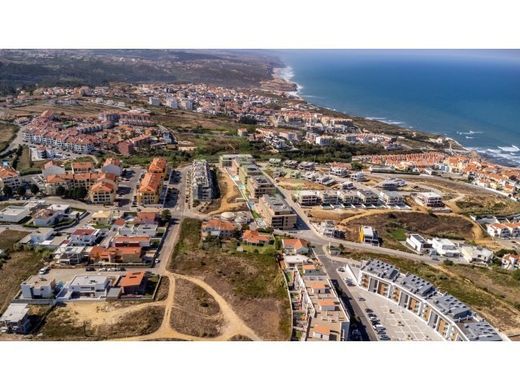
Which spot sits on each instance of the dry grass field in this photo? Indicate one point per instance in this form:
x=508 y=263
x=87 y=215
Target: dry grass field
x=195 y=311
x=251 y=283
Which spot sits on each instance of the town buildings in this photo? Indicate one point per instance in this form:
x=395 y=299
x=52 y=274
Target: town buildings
x=149 y=191
x=277 y=213
x=9 y=178
x=202 y=184
x=321 y=316
x=451 y=318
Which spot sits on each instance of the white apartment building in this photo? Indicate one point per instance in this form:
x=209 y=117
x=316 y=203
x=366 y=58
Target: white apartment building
x=445 y=247
x=448 y=316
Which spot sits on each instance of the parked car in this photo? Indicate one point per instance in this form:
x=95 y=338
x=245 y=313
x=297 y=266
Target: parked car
x=44 y=270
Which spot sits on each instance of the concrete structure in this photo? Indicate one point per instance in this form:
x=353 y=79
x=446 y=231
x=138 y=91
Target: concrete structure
x=14 y=214
x=430 y=199
x=47 y=217
x=113 y=166
x=504 y=230
x=15 y=319
x=245 y=171
x=448 y=316
x=476 y=254
x=260 y=185
x=202 y=185
x=368 y=235
x=38 y=287
x=307 y=198
x=445 y=247
x=89 y=286
x=391 y=198
x=226 y=160
x=418 y=243
x=295 y=246
x=277 y=213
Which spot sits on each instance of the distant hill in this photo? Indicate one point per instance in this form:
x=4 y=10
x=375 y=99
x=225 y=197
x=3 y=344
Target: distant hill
x=29 y=69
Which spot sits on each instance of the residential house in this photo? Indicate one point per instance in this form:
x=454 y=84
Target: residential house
x=38 y=287
x=133 y=283
x=218 y=228
x=15 y=319
x=85 y=236
x=89 y=286
x=368 y=235
x=9 y=178
x=295 y=246
x=255 y=238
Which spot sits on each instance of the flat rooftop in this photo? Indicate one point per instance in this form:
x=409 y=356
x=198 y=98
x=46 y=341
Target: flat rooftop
x=381 y=269
x=13 y=210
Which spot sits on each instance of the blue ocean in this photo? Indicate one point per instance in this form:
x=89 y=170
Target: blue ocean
x=472 y=96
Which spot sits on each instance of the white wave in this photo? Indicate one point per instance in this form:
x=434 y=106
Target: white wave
x=470 y=132
x=510 y=149
x=498 y=155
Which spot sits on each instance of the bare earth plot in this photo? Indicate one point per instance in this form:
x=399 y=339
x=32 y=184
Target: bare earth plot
x=229 y=196
x=100 y=321
x=195 y=312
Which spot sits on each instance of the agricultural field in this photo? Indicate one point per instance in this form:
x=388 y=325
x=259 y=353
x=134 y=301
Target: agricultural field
x=251 y=283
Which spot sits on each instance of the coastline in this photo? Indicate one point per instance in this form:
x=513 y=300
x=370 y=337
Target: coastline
x=494 y=155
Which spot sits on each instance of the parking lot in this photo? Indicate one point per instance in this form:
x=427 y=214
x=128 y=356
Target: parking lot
x=394 y=321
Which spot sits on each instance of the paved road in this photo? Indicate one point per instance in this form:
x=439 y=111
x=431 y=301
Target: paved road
x=349 y=300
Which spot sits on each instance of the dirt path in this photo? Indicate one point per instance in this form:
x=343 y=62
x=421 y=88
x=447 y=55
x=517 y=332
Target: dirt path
x=233 y=323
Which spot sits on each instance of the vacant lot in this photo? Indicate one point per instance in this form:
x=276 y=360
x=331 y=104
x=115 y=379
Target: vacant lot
x=195 y=312
x=299 y=184
x=487 y=204
x=228 y=200
x=69 y=323
x=16 y=268
x=251 y=283
x=7 y=134
x=489 y=292
x=393 y=226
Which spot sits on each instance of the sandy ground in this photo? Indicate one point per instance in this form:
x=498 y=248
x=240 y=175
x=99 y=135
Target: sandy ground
x=230 y=194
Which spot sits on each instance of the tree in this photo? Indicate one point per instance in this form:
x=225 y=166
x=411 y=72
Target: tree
x=21 y=191
x=82 y=192
x=34 y=189
x=60 y=191
x=166 y=215
x=8 y=191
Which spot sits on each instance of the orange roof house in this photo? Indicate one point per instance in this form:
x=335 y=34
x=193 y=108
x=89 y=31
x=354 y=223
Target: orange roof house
x=133 y=283
x=115 y=254
x=295 y=245
x=158 y=165
x=253 y=237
